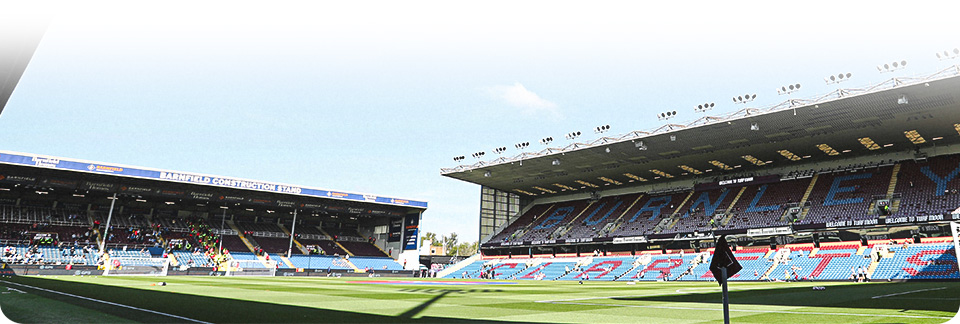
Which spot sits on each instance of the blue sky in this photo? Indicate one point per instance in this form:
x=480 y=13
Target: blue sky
x=376 y=97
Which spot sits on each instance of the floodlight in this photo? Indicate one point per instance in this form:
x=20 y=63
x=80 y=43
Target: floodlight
x=886 y=67
x=947 y=55
x=840 y=77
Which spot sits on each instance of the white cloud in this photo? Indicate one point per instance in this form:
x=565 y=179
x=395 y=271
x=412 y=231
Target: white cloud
x=528 y=102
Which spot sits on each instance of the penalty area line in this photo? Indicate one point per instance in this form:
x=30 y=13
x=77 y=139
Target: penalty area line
x=743 y=310
x=106 y=302
x=908 y=292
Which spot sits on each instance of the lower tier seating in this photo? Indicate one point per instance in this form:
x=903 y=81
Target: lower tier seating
x=836 y=261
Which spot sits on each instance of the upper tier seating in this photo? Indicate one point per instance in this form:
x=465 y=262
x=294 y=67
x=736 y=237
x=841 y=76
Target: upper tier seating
x=846 y=195
x=929 y=187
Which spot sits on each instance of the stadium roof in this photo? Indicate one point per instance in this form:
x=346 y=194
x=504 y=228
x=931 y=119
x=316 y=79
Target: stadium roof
x=16 y=50
x=122 y=181
x=896 y=115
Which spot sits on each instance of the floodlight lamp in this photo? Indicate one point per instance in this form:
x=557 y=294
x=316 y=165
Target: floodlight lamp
x=555 y=162
x=486 y=174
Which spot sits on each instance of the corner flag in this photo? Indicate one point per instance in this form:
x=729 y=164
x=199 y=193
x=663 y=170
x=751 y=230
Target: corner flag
x=723 y=258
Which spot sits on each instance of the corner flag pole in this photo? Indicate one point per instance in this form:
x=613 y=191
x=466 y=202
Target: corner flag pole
x=726 y=299
x=723 y=265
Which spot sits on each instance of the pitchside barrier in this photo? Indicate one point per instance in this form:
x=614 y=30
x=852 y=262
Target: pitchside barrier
x=54 y=270
x=343 y=273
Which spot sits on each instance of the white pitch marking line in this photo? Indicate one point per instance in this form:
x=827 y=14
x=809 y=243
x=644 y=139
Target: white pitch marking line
x=108 y=303
x=746 y=311
x=629 y=296
x=908 y=292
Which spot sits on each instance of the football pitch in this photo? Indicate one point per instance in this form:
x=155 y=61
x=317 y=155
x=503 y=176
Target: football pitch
x=98 y=299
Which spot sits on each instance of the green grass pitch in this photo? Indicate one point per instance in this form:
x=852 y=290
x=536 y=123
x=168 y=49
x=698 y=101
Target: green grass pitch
x=307 y=299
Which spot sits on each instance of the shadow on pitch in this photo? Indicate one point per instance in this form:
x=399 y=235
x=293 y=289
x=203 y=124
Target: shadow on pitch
x=842 y=296
x=211 y=309
x=449 y=291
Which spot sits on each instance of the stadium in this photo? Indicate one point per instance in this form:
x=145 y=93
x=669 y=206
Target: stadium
x=840 y=208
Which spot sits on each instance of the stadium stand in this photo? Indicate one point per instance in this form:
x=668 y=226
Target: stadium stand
x=928 y=187
x=919 y=261
x=846 y=195
x=836 y=261
x=374 y=263
x=193 y=259
x=764 y=205
x=701 y=209
x=851 y=192
x=362 y=249
x=319 y=262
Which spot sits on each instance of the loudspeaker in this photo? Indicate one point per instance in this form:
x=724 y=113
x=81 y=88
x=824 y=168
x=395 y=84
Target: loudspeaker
x=863 y=241
x=916 y=238
x=816 y=240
